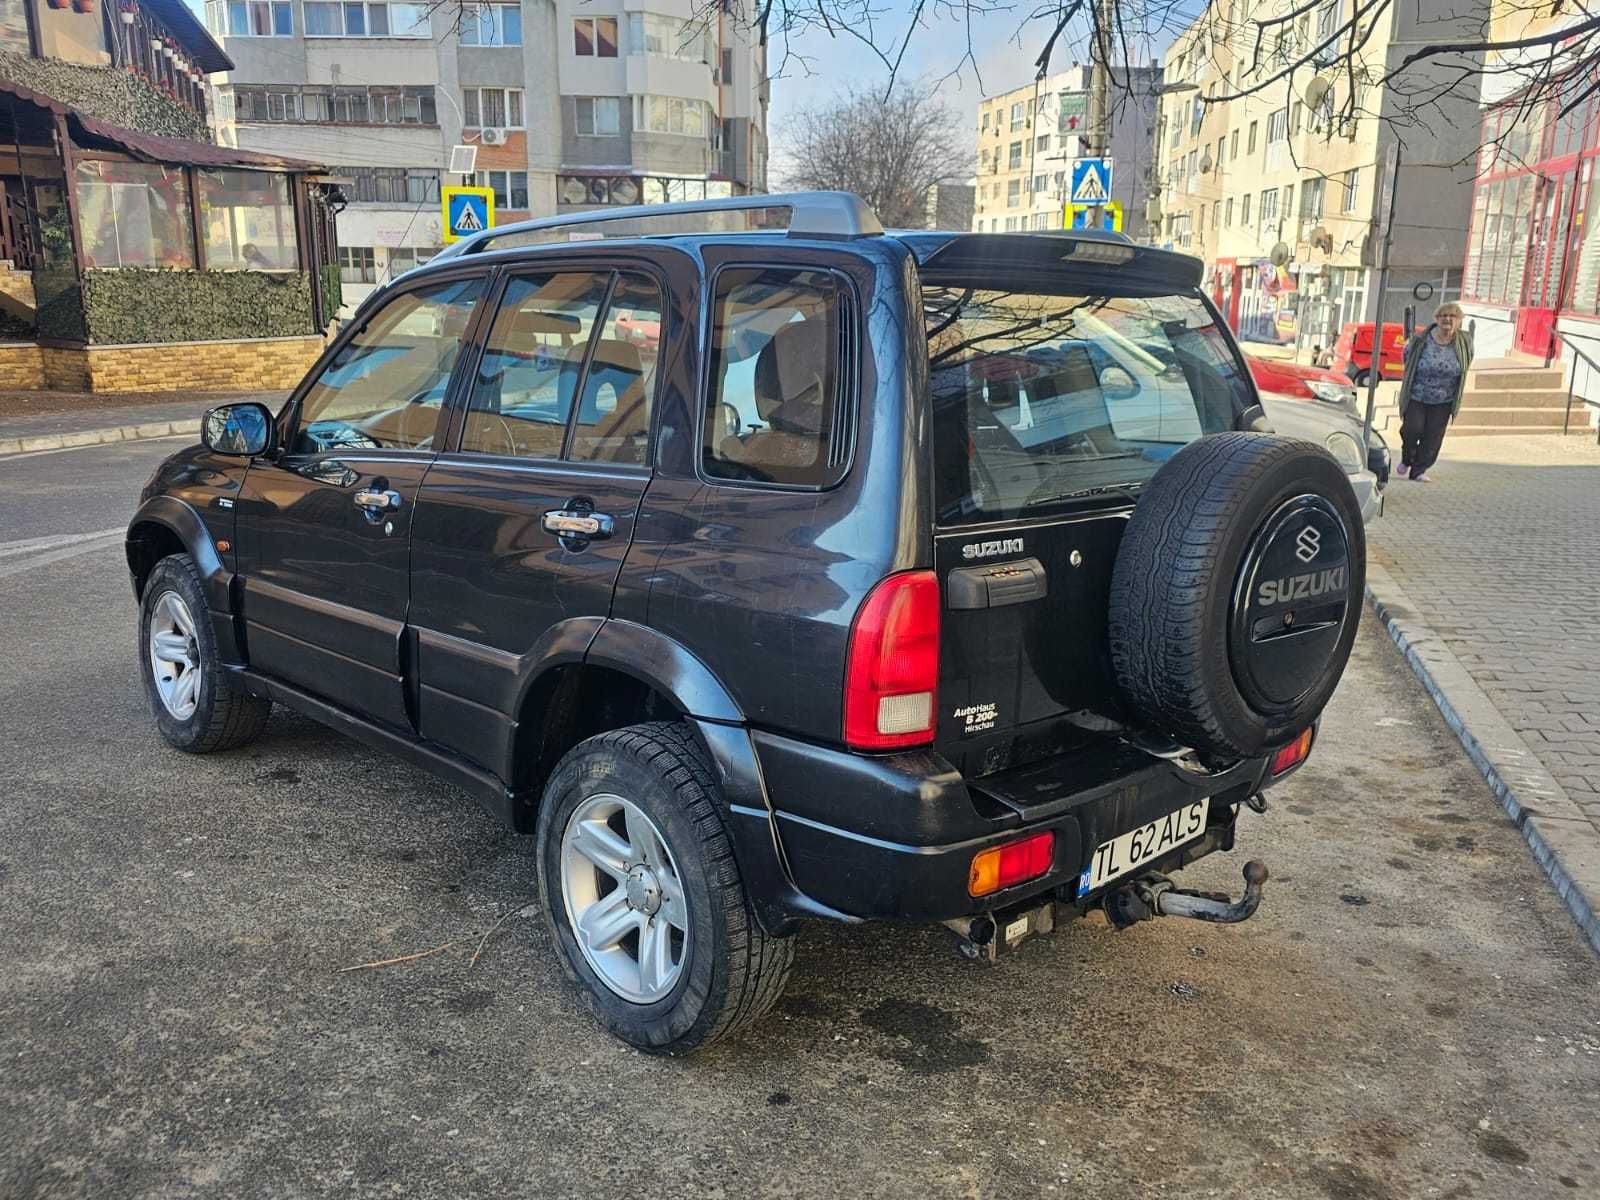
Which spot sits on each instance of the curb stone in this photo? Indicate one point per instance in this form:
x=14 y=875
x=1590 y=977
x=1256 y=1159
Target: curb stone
x=1564 y=841
x=96 y=437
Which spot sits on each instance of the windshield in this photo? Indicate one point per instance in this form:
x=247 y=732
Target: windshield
x=1044 y=401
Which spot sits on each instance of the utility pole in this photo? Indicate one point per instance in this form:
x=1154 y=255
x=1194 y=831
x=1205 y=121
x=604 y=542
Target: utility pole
x=1099 y=96
x=1391 y=196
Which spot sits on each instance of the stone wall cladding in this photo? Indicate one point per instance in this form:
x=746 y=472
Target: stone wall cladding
x=267 y=365
x=107 y=93
x=21 y=368
x=64 y=370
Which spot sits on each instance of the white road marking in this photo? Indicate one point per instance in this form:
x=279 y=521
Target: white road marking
x=50 y=542
x=88 y=544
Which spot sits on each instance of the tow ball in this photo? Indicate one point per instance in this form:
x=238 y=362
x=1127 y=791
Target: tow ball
x=1156 y=896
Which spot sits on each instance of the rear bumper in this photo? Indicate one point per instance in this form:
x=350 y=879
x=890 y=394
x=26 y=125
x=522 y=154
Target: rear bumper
x=893 y=837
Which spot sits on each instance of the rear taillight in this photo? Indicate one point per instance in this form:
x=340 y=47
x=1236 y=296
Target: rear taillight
x=1293 y=754
x=892 y=673
x=1006 y=866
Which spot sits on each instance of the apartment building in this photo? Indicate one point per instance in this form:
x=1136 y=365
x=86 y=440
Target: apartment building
x=1298 y=169
x=1532 y=268
x=1028 y=138
x=573 y=104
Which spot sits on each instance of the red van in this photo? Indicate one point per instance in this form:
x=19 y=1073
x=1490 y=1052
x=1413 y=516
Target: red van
x=1352 y=353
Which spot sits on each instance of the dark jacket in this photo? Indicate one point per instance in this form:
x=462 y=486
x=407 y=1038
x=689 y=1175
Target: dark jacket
x=1413 y=355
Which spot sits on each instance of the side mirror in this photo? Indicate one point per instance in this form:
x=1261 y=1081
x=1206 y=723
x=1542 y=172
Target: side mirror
x=245 y=430
x=1253 y=420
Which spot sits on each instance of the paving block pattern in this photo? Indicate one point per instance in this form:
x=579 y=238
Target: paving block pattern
x=1499 y=557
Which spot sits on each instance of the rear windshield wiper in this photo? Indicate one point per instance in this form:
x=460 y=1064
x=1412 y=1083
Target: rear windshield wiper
x=1119 y=491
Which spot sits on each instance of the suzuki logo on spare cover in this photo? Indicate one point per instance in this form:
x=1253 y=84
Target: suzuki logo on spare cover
x=990 y=549
x=1306 y=544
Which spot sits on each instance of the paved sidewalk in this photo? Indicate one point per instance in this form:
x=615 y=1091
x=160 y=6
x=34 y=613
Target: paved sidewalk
x=1489 y=578
x=59 y=419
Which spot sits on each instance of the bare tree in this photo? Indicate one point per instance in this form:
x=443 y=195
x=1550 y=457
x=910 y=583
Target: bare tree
x=888 y=149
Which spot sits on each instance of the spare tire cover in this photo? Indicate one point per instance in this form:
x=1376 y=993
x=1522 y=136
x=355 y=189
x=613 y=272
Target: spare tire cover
x=1237 y=592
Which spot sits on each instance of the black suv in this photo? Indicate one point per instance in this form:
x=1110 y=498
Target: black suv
x=775 y=573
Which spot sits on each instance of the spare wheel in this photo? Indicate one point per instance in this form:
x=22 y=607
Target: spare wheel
x=1236 y=593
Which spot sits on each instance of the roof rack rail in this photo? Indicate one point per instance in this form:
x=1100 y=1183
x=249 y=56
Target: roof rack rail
x=811 y=215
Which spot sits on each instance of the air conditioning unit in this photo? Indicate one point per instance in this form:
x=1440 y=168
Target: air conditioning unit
x=491 y=136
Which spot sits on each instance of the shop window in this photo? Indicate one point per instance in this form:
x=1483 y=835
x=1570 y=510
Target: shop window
x=1586 y=274
x=134 y=215
x=357 y=264
x=248 y=221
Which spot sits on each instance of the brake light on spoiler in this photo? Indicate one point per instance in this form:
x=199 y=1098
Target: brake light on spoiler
x=892 y=671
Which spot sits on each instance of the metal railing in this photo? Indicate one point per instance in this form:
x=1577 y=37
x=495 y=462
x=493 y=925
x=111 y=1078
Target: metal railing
x=1572 y=383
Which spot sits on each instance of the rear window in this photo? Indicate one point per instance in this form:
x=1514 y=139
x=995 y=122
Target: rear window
x=1045 y=401
x=774 y=413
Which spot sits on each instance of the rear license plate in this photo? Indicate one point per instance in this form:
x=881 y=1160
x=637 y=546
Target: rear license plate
x=1137 y=847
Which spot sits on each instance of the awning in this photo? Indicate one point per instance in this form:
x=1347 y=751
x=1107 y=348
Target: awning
x=197 y=40
x=154 y=147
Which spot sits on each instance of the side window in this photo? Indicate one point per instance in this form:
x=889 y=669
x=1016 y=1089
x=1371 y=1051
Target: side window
x=528 y=375
x=774 y=413
x=383 y=390
x=613 y=423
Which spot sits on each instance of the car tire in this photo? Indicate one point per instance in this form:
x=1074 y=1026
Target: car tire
x=1359 y=378
x=1236 y=593
x=720 y=970
x=195 y=707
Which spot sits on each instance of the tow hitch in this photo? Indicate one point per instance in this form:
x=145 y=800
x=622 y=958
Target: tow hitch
x=1156 y=896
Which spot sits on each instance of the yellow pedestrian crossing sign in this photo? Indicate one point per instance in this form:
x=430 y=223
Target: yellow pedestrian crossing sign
x=465 y=211
x=1091 y=181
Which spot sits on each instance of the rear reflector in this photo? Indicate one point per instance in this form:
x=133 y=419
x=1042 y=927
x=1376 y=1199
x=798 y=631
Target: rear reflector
x=1011 y=864
x=892 y=674
x=1293 y=754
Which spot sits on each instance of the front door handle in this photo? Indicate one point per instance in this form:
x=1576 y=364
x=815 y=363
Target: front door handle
x=378 y=502
x=576 y=528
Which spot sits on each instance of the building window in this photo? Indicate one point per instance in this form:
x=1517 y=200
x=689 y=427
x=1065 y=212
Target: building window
x=247 y=220
x=492 y=25
x=1296 y=113
x=1196 y=115
x=669 y=114
x=594 y=37
x=391 y=185
x=1014 y=157
x=668 y=37
x=134 y=215
x=491 y=108
x=1041 y=143
x=250 y=18
x=510 y=187
x=367 y=20
x=1227 y=214
x=1250 y=147
x=1013 y=194
x=1311 y=193
x=1277 y=126
x=1016 y=116
x=1347 y=200
x=1327 y=21
x=340 y=106
x=1039 y=184
x=598 y=116
x=1233 y=145
x=1244 y=210
x=984 y=124
x=1269 y=207
x=357 y=264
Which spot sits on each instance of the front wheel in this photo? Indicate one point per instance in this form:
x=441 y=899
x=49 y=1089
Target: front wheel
x=194 y=707
x=643 y=897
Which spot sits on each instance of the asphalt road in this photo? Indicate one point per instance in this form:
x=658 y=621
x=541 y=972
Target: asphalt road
x=1411 y=1014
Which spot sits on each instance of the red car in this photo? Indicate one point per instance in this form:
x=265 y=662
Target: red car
x=1302 y=383
x=1352 y=353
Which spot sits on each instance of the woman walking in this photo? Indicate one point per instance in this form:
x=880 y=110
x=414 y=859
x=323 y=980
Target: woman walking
x=1436 y=363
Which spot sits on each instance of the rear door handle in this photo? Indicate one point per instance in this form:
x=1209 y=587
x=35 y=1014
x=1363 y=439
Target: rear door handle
x=377 y=502
x=577 y=528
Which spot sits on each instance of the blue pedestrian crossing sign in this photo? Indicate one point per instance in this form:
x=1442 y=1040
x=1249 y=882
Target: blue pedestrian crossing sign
x=1091 y=181
x=465 y=211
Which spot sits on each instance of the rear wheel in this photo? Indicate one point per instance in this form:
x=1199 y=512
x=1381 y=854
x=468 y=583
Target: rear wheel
x=643 y=897
x=194 y=707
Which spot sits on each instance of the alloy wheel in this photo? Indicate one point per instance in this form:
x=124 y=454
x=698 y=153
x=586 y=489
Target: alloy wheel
x=175 y=655
x=624 y=898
